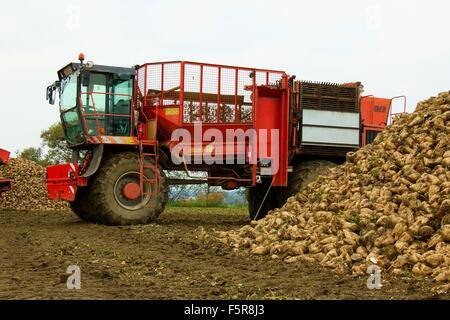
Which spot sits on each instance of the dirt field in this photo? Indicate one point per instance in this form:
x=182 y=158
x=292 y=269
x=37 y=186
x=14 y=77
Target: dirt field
x=162 y=261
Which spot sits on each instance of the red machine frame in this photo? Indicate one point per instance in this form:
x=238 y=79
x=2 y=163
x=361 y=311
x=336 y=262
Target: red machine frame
x=5 y=184
x=247 y=87
x=225 y=87
x=63 y=180
x=376 y=113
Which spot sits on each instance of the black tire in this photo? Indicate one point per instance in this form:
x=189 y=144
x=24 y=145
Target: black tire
x=80 y=206
x=255 y=196
x=109 y=208
x=304 y=173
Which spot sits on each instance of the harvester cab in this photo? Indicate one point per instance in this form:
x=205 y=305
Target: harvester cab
x=93 y=100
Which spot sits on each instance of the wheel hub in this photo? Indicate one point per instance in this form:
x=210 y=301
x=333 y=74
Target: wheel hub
x=127 y=191
x=131 y=191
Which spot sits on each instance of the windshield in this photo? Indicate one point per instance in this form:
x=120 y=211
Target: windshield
x=69 y=113
x=68 y=93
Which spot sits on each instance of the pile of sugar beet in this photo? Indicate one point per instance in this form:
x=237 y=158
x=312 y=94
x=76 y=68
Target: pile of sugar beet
x=389 y=203
x=28 y=190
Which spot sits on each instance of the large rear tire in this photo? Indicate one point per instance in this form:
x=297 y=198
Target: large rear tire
x=80 y=206
x=107 y=202
x=304 y=173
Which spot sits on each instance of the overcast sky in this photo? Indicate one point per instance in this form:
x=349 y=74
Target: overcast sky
x=392 y=47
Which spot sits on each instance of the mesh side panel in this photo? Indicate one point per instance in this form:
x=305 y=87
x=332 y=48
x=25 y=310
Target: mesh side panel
x=261 y=78
x=192 y=78
x=191 y=105
x=154 y=73
x=212 y=94
x=274 y=78
x=210 y=90
x=140 y=74
x=210 y=80
x=245 y=109
x=171 y=84
x=210 y=112
x=227 y=95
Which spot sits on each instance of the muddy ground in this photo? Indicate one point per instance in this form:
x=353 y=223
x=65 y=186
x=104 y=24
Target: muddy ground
x=162 y=261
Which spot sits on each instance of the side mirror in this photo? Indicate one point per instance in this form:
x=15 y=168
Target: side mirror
x=51 y=93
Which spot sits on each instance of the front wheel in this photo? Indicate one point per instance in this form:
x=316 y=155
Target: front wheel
x=81 y=205
x=116 y=196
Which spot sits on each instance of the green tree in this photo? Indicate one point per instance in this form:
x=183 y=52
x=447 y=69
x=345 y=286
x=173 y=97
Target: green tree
x=53 y=149
x=55 y=143
x=33 y=154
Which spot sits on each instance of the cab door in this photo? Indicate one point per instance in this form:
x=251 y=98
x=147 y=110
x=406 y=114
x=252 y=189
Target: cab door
x=106 y=104
x=93 y=97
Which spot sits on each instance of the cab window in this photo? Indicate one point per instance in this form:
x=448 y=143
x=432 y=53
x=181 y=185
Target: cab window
x=68 y=99
x=69 y=115
x=106 y=104
x=121 y=105
x=94 y=98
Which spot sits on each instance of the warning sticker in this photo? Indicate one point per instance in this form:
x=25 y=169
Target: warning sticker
x=172 y=111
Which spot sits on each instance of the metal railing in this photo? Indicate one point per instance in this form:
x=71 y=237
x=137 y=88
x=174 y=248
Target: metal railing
x=102 y=116
x=211 y=93
x=391 y=114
